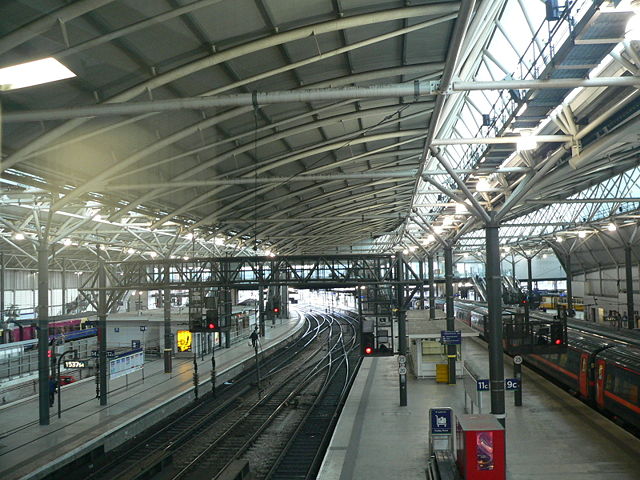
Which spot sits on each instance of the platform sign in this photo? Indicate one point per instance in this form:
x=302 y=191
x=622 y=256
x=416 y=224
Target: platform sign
x=450 y=337
x=441 y=421
x=76 y=363
x=512 y=383
x=135 y=343
x=110 y=353
x=483 y=385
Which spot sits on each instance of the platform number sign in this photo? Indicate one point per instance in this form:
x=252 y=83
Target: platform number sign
x=511 y=383
x=482 y=385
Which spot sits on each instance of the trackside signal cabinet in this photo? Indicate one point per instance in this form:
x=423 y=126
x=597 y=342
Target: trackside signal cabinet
x=480 y=447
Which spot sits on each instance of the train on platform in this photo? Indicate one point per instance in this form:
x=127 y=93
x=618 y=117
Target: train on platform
x=604 y=373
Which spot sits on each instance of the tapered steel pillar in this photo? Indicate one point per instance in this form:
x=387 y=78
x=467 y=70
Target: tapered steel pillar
x=402 y=328
x=102 y=329
x=629 y=282
x=448 y=279
x=494 y=300
x=432 y=290
x=569 y=286
x=43 y=331
x=168 y=343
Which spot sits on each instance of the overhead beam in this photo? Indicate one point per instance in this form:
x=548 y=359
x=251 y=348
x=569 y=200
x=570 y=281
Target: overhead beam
x=501 y=140
x=304 y=96
x=586 y=200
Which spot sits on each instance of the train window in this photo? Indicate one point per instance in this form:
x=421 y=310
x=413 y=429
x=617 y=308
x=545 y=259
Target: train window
x=609 y=383
x=623 y=384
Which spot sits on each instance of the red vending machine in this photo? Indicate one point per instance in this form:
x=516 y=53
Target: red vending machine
x=480 y=447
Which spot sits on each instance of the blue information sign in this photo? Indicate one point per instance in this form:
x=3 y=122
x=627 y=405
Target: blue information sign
x=483 y=385
x=441 y=421
x=450 y=337
x=511 y=383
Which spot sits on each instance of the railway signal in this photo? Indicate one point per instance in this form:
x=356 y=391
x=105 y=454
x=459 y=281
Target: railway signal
x=557 y=334
x=367 y=344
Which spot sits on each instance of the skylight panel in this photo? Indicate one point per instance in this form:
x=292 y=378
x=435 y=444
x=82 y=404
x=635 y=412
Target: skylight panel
x=33 y=73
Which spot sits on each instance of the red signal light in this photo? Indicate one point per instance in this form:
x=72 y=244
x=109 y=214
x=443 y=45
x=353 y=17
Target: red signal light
x=276 y=310
x=211 y=326
x=368 y=350
x=558 y=341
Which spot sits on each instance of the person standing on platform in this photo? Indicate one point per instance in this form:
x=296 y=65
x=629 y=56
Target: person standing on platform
x=52 y=391
x=254 y=337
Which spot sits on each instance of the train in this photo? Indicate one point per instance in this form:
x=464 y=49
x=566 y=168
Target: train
x=604 y=373
x=71 y=329
x=553 y=301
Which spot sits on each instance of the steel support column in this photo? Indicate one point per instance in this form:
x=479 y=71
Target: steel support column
x=421 y=275
x=432 y=290
x=494 y=300
x=448 y=278
x=64 y=287
x=2 y=287
x=102 y=329
x=43 y=331
x=402 y=328
x=529 y=287
x=260 y=318
x=569 y=286
x=629 y=282
x=168 y=343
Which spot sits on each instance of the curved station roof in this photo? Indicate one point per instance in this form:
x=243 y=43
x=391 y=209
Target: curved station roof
x=180 y=128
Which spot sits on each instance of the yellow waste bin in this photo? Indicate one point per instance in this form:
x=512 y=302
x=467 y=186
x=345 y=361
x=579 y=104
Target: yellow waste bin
x=442 y=373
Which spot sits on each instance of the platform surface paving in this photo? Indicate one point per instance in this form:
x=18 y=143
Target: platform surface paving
x=552 y=436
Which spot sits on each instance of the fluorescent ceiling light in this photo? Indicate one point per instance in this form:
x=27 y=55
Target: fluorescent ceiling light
x=33 y=73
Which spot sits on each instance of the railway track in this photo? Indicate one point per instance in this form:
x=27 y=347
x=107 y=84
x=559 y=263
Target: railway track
x=257 y=439
x=216 y=435
x=152 y=451
x=301 y=457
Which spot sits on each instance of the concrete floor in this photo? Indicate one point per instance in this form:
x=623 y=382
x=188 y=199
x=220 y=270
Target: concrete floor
x=552 y=436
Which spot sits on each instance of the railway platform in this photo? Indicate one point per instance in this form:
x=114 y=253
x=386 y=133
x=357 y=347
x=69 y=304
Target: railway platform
x=31 y=451
x=553 y=436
